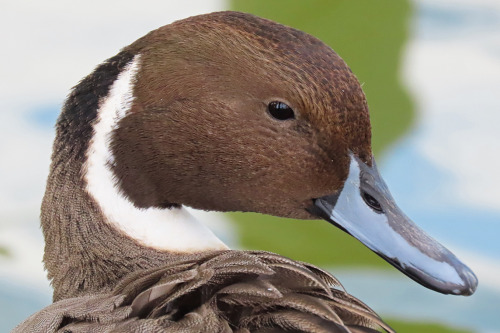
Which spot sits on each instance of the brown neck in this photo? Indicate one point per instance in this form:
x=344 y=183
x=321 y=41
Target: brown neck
x=84 y=253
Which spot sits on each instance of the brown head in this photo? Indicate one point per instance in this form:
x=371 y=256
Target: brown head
x=203 y=131
x=231 y=112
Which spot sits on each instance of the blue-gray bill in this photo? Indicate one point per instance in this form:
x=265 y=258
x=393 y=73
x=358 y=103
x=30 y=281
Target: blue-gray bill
x=365 y=209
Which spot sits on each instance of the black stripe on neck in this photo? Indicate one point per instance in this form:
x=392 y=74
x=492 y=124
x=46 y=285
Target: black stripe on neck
x=74 y=126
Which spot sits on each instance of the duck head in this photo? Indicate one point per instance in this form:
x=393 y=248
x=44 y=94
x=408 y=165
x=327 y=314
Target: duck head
x=230 y=112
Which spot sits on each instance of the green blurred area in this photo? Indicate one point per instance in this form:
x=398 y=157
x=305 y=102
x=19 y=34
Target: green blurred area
x=370 y=36
x=408 y=327
x=4 y=251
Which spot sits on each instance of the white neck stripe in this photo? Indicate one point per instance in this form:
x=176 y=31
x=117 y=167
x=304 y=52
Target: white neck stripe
x=163 y=229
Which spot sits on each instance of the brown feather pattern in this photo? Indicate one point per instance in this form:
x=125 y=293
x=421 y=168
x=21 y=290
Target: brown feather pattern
x=230 y=291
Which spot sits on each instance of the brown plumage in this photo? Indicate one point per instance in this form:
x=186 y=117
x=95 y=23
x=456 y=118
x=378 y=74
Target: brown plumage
x=182 y=117
x=231 y=291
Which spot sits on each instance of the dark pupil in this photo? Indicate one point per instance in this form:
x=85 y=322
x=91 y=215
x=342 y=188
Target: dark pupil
x=372 y=202
x=280 y=111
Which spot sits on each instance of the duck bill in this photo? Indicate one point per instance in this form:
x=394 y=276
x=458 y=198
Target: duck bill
x=365 y=209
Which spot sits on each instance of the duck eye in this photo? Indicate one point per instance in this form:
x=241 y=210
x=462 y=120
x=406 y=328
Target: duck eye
x=372 y=202
x=280 y=111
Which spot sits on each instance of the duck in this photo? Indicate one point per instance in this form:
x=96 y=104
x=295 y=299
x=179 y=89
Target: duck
x=218 y=112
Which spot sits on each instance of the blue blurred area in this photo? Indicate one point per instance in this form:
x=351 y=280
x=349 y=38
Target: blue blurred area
x=44 y=116
x=440 y=20
x=403 y=298
x=18 y=302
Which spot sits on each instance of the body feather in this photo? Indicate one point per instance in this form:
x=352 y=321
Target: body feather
x=231 y=291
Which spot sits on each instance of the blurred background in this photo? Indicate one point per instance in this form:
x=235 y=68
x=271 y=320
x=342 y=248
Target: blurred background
x=431 y=73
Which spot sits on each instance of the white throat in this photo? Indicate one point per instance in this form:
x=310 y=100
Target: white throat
x=164 y=229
